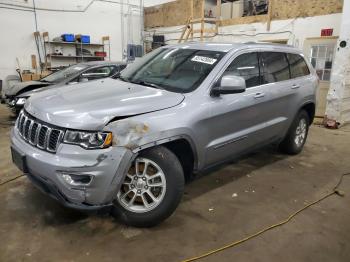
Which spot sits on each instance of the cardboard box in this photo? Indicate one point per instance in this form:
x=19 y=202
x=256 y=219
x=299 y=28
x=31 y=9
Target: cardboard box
x=36 y=77
x=45 y=73
x=26 y=77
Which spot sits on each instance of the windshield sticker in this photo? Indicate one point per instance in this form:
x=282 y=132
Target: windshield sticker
x=203 y=59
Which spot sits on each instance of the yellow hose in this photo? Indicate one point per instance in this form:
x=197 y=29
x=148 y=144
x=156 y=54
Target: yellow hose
x=335 y=191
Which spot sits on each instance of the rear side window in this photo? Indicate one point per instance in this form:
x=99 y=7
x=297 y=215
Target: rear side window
x=298 y=66
x=246 y=66
x=275 y=67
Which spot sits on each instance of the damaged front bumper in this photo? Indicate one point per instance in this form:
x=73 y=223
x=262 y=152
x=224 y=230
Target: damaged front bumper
x=106 y=167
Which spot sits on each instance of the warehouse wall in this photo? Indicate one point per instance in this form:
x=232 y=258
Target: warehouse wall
x=100 y=19
x=295 y=31
x=176 y=13
x=149 y=3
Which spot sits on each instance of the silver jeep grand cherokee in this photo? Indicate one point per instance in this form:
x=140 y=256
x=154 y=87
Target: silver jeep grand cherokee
x=131 y=143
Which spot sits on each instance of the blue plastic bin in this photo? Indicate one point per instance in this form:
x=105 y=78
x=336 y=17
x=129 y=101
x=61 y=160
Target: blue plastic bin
x=68 y=38
x=85 y=39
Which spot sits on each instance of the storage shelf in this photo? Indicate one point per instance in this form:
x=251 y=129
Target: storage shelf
x=76 y=56
x=72 y=43
x=52 y=59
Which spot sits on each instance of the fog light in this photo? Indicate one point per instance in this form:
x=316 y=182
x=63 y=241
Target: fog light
x=77 y=180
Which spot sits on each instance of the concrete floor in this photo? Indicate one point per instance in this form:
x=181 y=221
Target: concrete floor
x=269 y=186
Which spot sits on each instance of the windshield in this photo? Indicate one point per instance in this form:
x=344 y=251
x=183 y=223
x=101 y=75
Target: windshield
x=64 y=73
x=178 y=70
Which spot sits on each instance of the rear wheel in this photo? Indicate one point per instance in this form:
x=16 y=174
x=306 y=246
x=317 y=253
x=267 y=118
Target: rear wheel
x=152 y=189
x=294 y=141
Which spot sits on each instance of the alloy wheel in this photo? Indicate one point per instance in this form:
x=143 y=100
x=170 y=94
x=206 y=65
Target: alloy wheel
x=144 y=186
x=300 y=133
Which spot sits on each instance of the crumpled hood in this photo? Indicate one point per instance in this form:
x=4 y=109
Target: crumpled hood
x=38 y=90
x=21 y=85
x=90 y=106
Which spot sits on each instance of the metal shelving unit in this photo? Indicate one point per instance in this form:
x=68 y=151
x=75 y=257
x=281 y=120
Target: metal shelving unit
x=61 y=59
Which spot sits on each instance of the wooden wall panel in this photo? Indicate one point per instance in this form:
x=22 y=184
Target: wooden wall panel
x=177 y=13
x=172 y=13
x=284 y=9
x=244 y=20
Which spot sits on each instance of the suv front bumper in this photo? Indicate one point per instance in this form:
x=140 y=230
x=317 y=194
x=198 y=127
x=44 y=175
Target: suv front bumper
x=107 y=167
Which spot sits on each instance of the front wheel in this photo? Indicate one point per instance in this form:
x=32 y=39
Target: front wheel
x=295 y=139
x=152 y=189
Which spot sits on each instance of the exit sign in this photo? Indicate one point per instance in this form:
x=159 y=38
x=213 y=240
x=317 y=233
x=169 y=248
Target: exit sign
x=327 y=32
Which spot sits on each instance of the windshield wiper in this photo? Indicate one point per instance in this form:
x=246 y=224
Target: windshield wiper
x=45 y=81
x=144 y=83
x=141 y=82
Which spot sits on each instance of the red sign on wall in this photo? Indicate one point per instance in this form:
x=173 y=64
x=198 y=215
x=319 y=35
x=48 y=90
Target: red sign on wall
x=327 y=32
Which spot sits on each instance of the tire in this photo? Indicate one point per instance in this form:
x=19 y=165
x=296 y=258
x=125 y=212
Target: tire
x=290 y=144
x=144 y=210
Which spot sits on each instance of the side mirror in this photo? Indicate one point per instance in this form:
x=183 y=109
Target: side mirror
x=230 y=84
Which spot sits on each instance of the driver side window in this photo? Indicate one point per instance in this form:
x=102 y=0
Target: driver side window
x=247 y=67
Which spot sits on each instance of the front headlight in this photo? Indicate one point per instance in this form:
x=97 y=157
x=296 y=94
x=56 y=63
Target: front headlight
x=88 y=140
x=21 y=101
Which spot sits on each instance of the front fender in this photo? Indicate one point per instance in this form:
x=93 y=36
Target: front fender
x=136 y=135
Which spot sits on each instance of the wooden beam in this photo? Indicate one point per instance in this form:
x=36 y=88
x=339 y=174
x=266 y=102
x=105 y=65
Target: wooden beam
x=206 y=19
x=244 y=20
x=205 y=30
x=191 y=8
x=218 y=15
x=34 y=65
x=188 y=34
x=191 y=18
x=269 y=15
x=202 y=15
x=182 y=34
x=19 y=68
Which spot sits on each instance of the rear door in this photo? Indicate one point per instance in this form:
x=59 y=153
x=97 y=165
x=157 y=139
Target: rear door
x=287 y=79
x=277 y=83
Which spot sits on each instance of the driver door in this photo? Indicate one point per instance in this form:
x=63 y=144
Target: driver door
x=237 y=120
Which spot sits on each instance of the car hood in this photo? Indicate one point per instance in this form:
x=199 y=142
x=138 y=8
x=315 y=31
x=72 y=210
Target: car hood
x=21 y=85
x=90 y=106
x=38 y=90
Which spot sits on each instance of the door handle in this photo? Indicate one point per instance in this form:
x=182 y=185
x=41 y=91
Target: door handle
x=259 y=95
x=295 y=86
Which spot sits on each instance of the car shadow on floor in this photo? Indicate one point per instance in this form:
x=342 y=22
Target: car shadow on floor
x=53 y=213
x=226 y=173
x=7 y=120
